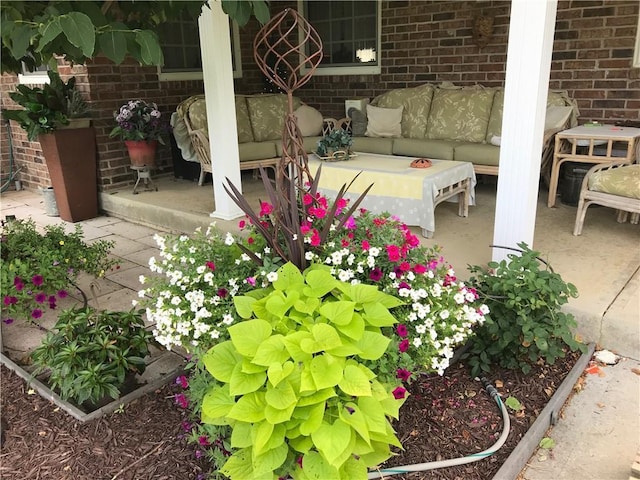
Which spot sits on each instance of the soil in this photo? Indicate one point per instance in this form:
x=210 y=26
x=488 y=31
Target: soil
x=444 y=417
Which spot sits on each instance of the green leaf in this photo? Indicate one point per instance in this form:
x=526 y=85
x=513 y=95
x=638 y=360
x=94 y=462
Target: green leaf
x=289 y=277
x=241 y=434
x=352 y=415
x=278 y=415
x=244 y=305
x=354 y=329
x=261 y=12
x=325 y=336
x=314 y=420
x=249 y=408
x=277 y=372
x=247 y=336
x=315 y=467
x=281 y=396
x=373 y=413
x=259 y=437
x=320 y=282
x=240 y=465
x=271 y=351
x=49 y=32
x=20 y=40
x=292 y=343
x=216 y=404
x=353 y=468
x=332 y=440
x=378 y=315
x=547 y=443
x=326 y=370
x=355 y=382
x=317 y=397
x=150 y=50
x=242 y=383
x=340 y=313
x=373 y=345
x=80 y=31
x=513 y=403
x=221 y=360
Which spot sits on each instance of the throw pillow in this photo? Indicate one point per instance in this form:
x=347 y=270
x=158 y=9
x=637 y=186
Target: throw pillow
x=358 y=122
x=557 y=117
x=384 y=122
x=309 y=121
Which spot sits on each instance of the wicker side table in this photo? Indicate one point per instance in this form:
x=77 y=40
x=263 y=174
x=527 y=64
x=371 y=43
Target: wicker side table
x=592 y=144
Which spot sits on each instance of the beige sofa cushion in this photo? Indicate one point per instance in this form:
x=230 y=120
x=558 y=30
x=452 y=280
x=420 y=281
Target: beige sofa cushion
x=267 y=113
x=416 y=103
x=382 y=146
x=309 y=121
x=256 y=151
x=243 y=122
x=478 y=154
x=621 y=181
x=494 y=127
x=461 y=114
x=383 y=122
x=198 y=114
x=422 y=147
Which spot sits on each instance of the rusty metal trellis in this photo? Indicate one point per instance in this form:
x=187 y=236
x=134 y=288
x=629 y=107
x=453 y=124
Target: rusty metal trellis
x=289 y=43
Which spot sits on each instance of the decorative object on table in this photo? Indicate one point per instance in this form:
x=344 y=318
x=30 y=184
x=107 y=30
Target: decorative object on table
x=56 y=116
x=421 y=163
x=335 y=146
x=141 y=128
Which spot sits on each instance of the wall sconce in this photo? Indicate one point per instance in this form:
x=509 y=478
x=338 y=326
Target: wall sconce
x=482 y=30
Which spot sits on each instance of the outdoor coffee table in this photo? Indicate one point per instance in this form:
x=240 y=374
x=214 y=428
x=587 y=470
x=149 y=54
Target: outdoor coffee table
x=410 y=193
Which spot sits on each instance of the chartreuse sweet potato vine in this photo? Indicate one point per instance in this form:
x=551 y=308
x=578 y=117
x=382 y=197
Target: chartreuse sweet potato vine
x=294 y=391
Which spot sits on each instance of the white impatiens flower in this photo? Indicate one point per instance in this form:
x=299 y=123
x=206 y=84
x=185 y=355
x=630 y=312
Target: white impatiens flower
x=417 y=342
x=228 y=239
x=142 y=279
x=272 y=276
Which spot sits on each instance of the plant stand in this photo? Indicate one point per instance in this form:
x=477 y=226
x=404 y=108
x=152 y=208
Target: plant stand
x=144 y=174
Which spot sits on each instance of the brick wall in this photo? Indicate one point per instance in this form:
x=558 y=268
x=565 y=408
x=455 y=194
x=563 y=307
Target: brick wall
x=422 y=41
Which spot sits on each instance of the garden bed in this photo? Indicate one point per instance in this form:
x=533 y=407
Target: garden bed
x=445 y=417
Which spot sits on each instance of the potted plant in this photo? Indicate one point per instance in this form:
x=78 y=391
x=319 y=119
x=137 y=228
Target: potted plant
x=48 y=116
x=140 y=126
x=335 y=146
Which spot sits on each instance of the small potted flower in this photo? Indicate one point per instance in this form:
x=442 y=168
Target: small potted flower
x=335 y=146
x=140 y=125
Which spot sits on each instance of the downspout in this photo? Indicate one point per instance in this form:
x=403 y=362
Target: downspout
x=12 y=175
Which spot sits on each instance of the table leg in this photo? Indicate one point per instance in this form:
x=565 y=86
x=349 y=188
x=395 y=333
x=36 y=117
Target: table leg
x=553 y=183
x=463 y=199
x=427 y=233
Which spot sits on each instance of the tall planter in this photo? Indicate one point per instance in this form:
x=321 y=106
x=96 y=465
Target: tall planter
x=70 y=155
x=142 y=153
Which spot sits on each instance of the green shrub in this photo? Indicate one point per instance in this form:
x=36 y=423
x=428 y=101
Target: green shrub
x=89 y=353
x=526 y=323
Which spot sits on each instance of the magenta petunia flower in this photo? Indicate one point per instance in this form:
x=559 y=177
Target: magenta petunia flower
x=403 y=374
x=402 y=330
x=8 y=321
x=404 y=345
x=299 y=461
x=18 y=284
x=182 y=400
x=420 y=269
x=365 y=245
x=265 y=208
x=40 y=297
x=186 y=426
x=242 y=224
x=375 y=274
x=182 y=381
x=211 y=266
x=37 y=280
x=350 y=223
x=399 y=393
x=36 y=313
x=222 y=292
x=10 y=300
x=307 y=199
x=251 y=281
x=203 y=441
x=393 y=252
x=315 y=238
x=199 y=453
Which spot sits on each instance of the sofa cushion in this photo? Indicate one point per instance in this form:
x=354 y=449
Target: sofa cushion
x=460 y=114
x=494 y=127
x=267 y=113
x=198 y=114
x=310 y=145
x=383 y=146
x=243 y=122
x=257 y=151
x=414 y=147
x=309 y=120
x=477 y=153
x=416 y=102
x=621 y=181
x=383 y=122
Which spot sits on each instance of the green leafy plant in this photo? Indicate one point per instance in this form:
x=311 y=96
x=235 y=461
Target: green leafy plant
x=338 y=140
x=46 y=108
x=89 y=353
x=295 y=391
x=37 y=269
x=526 y=324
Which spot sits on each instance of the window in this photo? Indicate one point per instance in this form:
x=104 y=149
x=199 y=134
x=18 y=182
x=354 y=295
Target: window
x=180 y=43
x=350 y=34
x=38 y=77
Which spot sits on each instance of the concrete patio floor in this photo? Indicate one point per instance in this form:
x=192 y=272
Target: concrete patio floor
x=603 y=263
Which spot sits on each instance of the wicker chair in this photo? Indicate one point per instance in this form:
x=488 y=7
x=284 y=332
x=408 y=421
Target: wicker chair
x=615 y=185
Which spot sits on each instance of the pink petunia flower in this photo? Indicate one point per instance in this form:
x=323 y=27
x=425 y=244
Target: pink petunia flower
x=402 y=330
x=251 y=281
x=420 y=269
x=222 y=292
x=307 y=199
x=404 y=345
x=182 y=381
x=182 y=400
x=242 y=224
x=393 y=252
x=403 y=374
x=10 y=300
x=36 y=313
x=37 y=280
x=399 y=393
x=211 y=266
x=203 y=441
x=365 y=245
x=40 y=297
x=375 y=274
x=18 y=284
x=350 y=223
x=265 y=208
x=315 y=238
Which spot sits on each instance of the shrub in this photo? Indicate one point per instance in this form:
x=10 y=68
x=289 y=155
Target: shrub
x=526 y=323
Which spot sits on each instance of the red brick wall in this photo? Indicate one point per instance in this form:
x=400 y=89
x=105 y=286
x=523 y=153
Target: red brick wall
x=422 y=41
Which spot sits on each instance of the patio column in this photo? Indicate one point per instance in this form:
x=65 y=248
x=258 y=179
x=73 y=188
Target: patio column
x=530 y=46
x=217 y=71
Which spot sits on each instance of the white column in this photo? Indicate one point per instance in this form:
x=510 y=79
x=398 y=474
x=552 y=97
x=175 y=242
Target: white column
x=217 y=72
x=529 y=52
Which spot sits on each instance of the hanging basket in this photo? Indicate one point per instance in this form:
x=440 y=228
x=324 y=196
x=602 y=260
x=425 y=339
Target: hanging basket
x=142 y=153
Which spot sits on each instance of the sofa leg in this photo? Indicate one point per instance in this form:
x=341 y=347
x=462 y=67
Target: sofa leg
x=201 y=179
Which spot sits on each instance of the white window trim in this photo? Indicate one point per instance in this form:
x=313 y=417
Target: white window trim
x=636 y=53
x=197 y=75
x=363 y=70
x=38 y=78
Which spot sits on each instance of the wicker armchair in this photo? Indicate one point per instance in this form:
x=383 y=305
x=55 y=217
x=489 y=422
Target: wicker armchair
x=615 y=185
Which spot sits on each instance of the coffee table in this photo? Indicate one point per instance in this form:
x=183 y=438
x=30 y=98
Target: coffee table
x=410 y=193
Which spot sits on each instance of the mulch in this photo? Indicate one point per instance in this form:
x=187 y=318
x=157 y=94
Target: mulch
x=444 y=417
